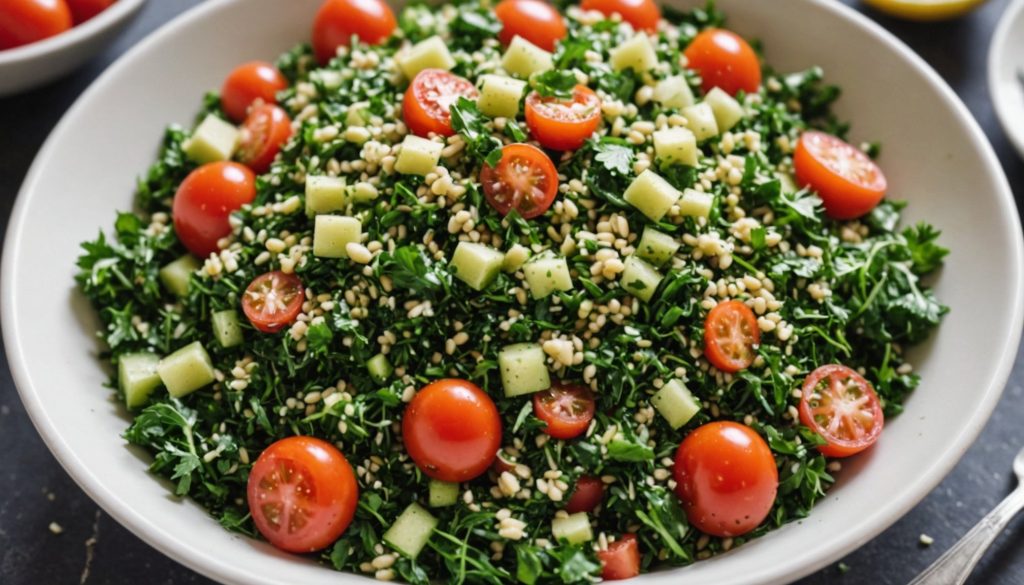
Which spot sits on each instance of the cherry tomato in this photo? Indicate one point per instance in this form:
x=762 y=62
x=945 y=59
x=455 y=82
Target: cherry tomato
x=849 y=183
x=726 y=478
x=731 y=336
x=586 y=495
x=28 y=21
x=841 y=406
x=83 y=10
x=621 y=560
x=452 y=430
x=338 y=21
x=566 y=408
x=642 y=14
x=204 y=201
x=265 y=131
x=534 y=20
x=525 y=180
x=273 y=300
x=302 y=494
x=428 y=101
x=563 y=124
x=724 y=60
x=249 y=82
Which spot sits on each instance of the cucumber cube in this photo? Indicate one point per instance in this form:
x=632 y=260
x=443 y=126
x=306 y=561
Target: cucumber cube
x=575 y=529
x=701 y=121
x=364 y=192
x=226 y=328
x=675 y=402
x=787 y=182
x=546 y=274
x=186 y=370
x=325 y=194
x=637 y=54
x=728 y=112
x=500 y=96
x=419 y=156
x=331 y=80
x=640 y=278
x=651 y=194
x=358 y=114
x=476 y=264
x=443 y=494
x=137 y=377
x=523 y=58
x=515 y=257
x=673 y=92
x=676 y=145
x=656 y=247
x=380 y=368
x=333 y=233
x=213 y=140
x=411 y=531
x=695 y=203
x=523 y=370
x=429 y=53
x=176 y=275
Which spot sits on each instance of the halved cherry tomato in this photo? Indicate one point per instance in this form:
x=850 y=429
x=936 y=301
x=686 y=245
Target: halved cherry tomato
x=724 y=60
x=204 y=201
x=427 y=104
x=452 y=430
x=726 y=478
x=338 y=21
x=731 y=336
x=586 y=495
x=302 y=494
x=642 y=14
x=841 y=406
x=83 y=10
x=534 y=20
x=265 y=131
x=566 y=408
x=849 y=183
x=621 y=560
x=249 y=82
x=28 y=21
x=273 y=300
x=525 y=180
x=563 y=124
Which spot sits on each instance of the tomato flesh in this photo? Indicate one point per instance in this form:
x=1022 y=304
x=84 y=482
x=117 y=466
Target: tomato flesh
x=338 y=21
x=265 y=131
x=849 y=183
x=586 y=496
x=427 y=104
x=841 y=406
x=29 y=21
x=563 y=124
x=724 y=60
x=567 y=409
x=621 y=560
x=272 y=301
x=642 y=14
x=205 y=199
x=534 y=20
x=83 y=10
x=731 y=336
x=524 y=179
x=250 y=83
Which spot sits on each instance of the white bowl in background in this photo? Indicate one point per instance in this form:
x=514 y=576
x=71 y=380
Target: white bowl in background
x=934 y=155
x=1006 y=73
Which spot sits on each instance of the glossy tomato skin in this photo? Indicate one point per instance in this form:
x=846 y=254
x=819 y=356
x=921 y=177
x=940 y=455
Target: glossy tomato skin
x=586 y=496
x=273 y=301
x=731 y=336
x=642 y=14
x=338 y=20
x=841 y=406
x=724 y=60
x=452 y=430
x=726 y=478
x=83 y=10
x=621 y=560
x=204 y=201
x=28 y=21
x=524 y=179
x=534 y=20
x=566 y=409
x=265 y=131
x=426 y=106
x=559 y=124
x=247 y=83
x=307 y=474
x=849 y=183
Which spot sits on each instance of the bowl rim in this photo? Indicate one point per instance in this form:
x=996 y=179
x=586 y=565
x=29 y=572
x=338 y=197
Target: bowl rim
x=796 y=566
x=1001 y=100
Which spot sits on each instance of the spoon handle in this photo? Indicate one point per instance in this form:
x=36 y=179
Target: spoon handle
x=953 y=567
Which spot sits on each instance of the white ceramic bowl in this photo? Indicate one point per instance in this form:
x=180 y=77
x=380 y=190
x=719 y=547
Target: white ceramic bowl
x=934 y=154
x=32 y=65
x=1006 y=73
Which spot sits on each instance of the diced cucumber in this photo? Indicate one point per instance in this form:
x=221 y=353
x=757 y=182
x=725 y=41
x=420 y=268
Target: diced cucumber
x=419 y=156
x=333 y=233
x=728 y=112
x=364 y=192
x=213 y=140
x=226 y=328
x=676 y=145
x=358 y=114
x=523 y=58
x=636 y=54
x=500 y=96
x=515 y=257
x=676 y=403
x=476 y=264
x=137 y=377
x=176 y=275
x=411 y=531
x=651 y=194
x=325 y=194
x=186 y=370
x=547 y=273
x=380 y=368
x=640 y=278
x=575 y=529
x=673 y=92
x=331 y=80
x=429 y=53
x=695 y=204
x=523 y=370
x=656 y=247
x=700 y=119
x=443 y=493
x=787 y=182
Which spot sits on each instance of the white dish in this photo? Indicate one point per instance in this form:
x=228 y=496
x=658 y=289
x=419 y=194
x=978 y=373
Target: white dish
x=1006 y=73
x=946 y=170
x=32 y=65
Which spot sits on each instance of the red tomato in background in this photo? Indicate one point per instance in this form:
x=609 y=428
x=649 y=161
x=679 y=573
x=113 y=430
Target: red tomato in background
x=204 y=201
x=534 y=20
x=427 y=104
x=642 y=14
x=621 y=560
x=849 y=183
x=525 y=180
x=338 y=20
x=83 y=10
x=841 y=406
x=567 y=409
x=264 y=132
x=563 y=124
x=249 y=82
x=586 y=496
x=28 y=21
x=724 y=60
x=273 y=300
x=731 y=336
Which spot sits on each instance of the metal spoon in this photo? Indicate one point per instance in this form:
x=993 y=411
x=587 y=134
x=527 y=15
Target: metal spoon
x=953 y=567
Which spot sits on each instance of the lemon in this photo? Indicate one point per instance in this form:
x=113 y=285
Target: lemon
x=925 y=9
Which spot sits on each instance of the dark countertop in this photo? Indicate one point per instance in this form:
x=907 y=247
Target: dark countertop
x=92 y=548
